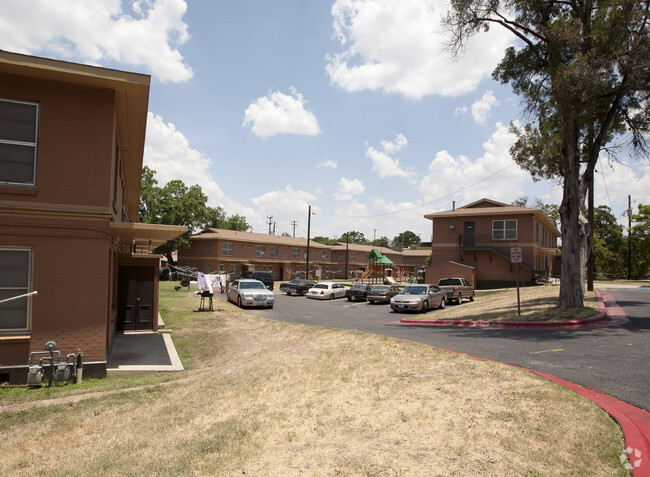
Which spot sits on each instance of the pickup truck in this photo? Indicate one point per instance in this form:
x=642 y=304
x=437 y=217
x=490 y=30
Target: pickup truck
x=457 y=289
x=297 y=286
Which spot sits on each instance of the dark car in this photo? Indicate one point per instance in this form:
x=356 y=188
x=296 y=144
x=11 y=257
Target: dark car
x=358 y=292
x=264 y=277
x=297 y=286
x=382 y=293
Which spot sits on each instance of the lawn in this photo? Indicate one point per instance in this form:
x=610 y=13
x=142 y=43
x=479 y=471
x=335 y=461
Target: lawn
x=277 y=399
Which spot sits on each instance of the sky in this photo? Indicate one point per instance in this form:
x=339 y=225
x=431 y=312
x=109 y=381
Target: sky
x=356 y=108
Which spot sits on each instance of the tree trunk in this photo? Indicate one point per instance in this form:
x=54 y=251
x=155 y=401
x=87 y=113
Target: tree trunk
x=575 y=236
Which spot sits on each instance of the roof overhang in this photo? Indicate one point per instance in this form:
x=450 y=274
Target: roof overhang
x=145 y=235
x=131 y=103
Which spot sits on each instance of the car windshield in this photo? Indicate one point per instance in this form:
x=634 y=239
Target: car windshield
x=251 y=285
x=414 y=291
x=320 y=286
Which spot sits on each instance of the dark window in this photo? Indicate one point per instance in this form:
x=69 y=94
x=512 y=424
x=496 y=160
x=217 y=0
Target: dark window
x=18 y=137
x=15 y=280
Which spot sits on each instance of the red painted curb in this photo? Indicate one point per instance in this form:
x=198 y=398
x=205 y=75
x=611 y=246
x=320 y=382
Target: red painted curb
x=635 y=423
x=608 y=316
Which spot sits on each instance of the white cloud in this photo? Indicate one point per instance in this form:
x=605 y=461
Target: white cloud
x=168 y=152
x=493 y=175
x=97 y=31
x=460 y=112
x=614 y=182
x=383 y=163
x=481 y=108
x=398 y=47
x=285 y=206
x=348 y=188
x=327 y=164
x=279 y=113
x=395 y=146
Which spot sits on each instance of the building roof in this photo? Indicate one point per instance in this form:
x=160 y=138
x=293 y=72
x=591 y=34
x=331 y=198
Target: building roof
x=131 y=101
x=487 y=207
x=238 y=236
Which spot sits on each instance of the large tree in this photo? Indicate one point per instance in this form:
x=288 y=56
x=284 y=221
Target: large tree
x=406 y=239
x=177 y=204
x=581 y=68
x=640 y=246
x=609 y=246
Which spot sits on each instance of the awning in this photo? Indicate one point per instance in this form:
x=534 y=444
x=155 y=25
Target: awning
x=145 y=236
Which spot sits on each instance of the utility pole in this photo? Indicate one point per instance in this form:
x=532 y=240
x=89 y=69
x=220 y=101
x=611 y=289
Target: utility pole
x=308 y=231
x=270 y=217
x=294 y=223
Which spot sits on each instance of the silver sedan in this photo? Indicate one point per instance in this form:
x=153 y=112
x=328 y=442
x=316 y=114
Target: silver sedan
x=418 y=298
x=249 y=292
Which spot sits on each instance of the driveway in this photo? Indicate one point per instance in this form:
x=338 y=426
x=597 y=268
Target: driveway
x=613 y=360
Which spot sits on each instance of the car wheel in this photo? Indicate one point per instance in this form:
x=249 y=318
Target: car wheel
x=349 y=298
x=471 y=298
x=442 y=303
x=270 y=306
x=460 y=299
x=331 y=296
x=239 y=302
x=425 y=306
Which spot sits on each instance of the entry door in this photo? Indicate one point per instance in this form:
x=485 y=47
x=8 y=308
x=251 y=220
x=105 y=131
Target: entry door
x=468 y=234
x=136 y=298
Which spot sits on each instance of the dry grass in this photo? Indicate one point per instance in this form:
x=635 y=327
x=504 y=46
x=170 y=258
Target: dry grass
x=275 y=399
x=537 y=304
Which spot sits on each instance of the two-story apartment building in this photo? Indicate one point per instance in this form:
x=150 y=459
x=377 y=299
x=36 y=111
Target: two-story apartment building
x=71 y=146
x=474 y=242
x=231 y=252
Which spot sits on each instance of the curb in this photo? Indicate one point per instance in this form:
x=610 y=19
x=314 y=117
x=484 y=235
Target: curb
x=609 y=315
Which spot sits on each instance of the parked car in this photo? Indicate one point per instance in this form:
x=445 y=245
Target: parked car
x=326 y=291
x=418 y=298
x=264 y=277
x=358 y=291
x=297 y=286
x=382 y=293
x=457 y=289
x=249 y=292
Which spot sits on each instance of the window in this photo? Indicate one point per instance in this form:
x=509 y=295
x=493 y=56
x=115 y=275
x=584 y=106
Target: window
x=353 y=256
x=326 y=255
x=275 y=252
x=296 y=253
x=15 y=280
x=341 y=256
x=504 y=229
x=222 y=269
x=260 y=250
x=233 y=269
x=226 y=249
x=18 y=135
x=208 y=248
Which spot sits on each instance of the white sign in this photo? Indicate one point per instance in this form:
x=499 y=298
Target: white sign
x=516 y=256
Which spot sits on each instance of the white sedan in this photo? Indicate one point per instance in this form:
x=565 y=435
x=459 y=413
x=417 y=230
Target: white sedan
x=326 y=291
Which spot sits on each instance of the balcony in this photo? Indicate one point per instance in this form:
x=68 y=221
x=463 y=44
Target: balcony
x=537 y=264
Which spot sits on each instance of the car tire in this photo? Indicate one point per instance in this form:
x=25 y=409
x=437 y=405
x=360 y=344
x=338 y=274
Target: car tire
x=425 y=306
x=349 y=298
x=442 y=303
x=471 y=298
x=331 y=296
x=459 y=301
x=239 y=302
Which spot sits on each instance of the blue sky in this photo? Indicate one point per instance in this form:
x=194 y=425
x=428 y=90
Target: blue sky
x=354 y=107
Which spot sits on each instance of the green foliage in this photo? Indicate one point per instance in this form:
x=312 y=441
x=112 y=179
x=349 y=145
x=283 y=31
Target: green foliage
x=406 y=239
x=354 y=237
x=177 y=204
x=552 y=211
x=381 y=242
x=609 y=247
x=640 y=236
x=323 y=240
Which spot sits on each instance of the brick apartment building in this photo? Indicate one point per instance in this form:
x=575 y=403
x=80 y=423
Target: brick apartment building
x=71 y=145
x=474 y=242
x=231 y=252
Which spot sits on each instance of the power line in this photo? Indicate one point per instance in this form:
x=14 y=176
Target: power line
x=418 y=206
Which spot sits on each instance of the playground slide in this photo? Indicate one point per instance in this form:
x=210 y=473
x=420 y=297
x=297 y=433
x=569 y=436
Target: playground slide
x=391 y=280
